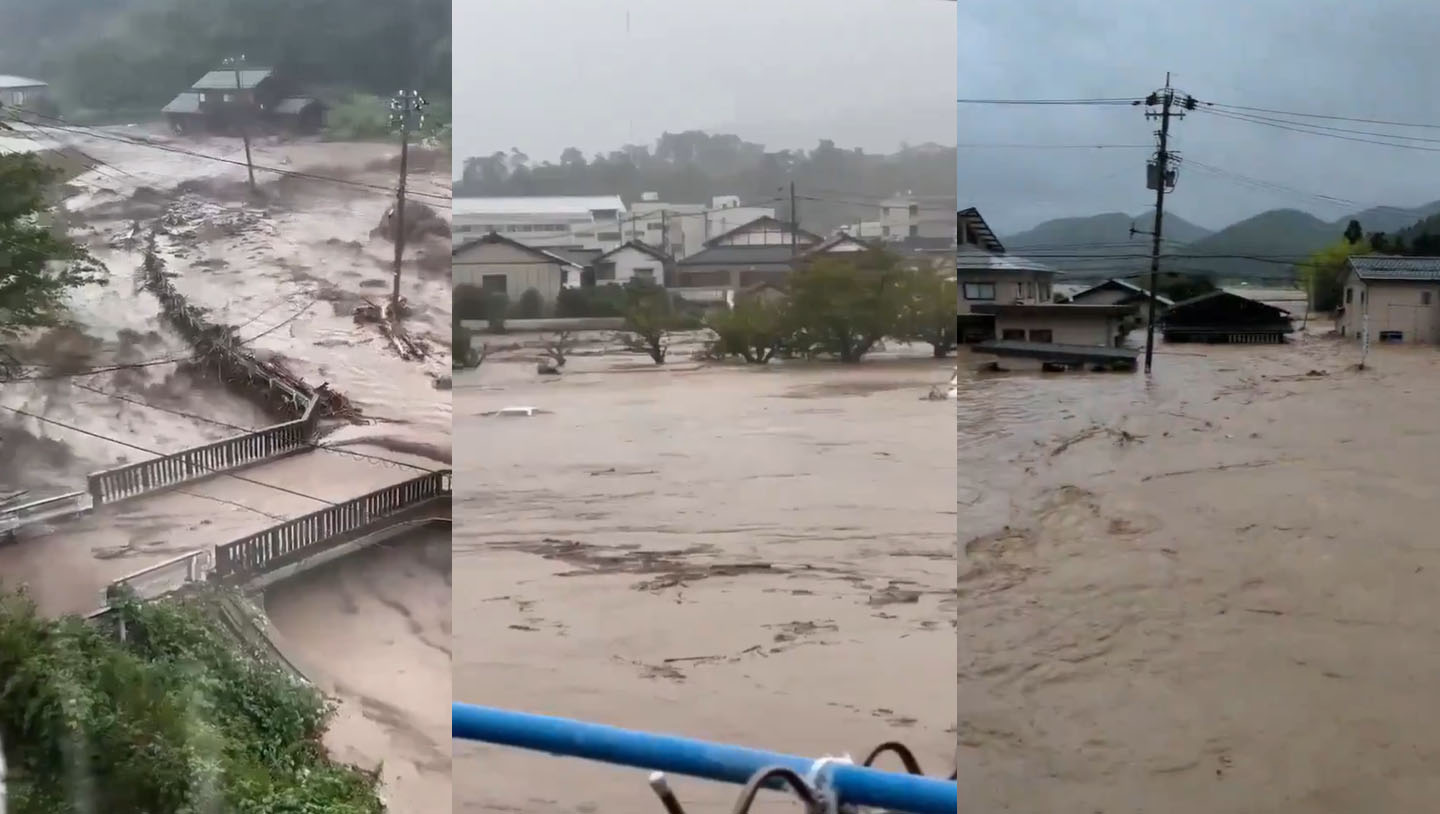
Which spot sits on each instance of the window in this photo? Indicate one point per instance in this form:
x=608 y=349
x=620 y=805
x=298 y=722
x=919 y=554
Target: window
x=608 y=237
x=884 y=231
x=1349 y=295
x=1041 y=335
x=914 y=210
x=979 y=291
x=1019 y=291
x=227 y=98
x=914 y=231
x=1362 y=296
x=605 y=271
x=646 y=273
x=1045 y=292
x=884 y=211
x=494 y=284
x=1424 y=297
x=1013 y=334
x=654 y=227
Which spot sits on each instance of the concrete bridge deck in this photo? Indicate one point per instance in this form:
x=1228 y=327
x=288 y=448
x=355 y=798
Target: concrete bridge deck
x=67 y=566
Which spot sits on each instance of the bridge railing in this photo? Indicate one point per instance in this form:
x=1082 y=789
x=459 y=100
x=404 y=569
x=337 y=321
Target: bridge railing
x=139 y=478
x=299 y=538
x=59 y=504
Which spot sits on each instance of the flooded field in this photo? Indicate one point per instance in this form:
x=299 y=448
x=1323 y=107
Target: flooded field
x=286 y=266
x=753 y=556
x=1210 y=591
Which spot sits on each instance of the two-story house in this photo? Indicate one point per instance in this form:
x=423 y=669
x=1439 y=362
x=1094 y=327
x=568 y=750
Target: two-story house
x=986 y=275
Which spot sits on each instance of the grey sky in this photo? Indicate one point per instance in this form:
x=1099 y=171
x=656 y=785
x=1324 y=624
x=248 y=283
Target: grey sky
x=543 y=76
x=1366 y=60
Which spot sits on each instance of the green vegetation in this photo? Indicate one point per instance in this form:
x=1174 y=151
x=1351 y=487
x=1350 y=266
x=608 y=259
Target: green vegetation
x=174 y=720
x=651 y=316
x=135 y=55
x=39 y=266
x=754 y=330
x=693 y=166
x=366 y=117
x=530 y=306
x=1323 y=275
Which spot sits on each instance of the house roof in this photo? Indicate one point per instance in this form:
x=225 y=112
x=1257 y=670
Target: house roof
x=1053 y=310
x=575 y=254
x=926 y=245
x=1397 y=269
x=295 y=105
x=835 y=240
x=811 y=237
x=12 y=82
x=1219 y=293
x=226 y=79
x=774 y=255
x=639 y=246
x=1125 y=285
x=497 y=238
x=971 y=217
x=969 y=258
x=186 y=102
x=536 y=204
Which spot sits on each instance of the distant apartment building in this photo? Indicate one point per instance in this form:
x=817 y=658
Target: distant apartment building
x=916 y=216
x=19 y=91
x=683 y=229
x=578 y=221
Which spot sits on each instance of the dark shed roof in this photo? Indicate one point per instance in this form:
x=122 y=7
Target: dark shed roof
x=1218 y=309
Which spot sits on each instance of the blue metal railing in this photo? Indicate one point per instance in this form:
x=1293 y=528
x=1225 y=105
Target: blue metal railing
x=849 y=784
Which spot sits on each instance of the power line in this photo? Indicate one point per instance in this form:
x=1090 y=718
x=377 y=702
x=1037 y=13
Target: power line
x=1325 y=127
x=1093 y=101
x=1054 y=147
x=1306 y=129
x=1357 y=119
x=62 y=126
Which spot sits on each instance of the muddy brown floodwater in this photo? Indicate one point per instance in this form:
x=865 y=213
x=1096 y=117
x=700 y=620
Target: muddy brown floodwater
x=1213 y=591
x=759 y=557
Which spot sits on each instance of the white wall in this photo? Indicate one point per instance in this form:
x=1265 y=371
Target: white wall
x=628 y=261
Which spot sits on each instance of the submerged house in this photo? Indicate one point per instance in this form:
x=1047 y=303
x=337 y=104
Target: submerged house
x=1396 y=298
x=223 y=100
x=1224 y=317
x=986 y=275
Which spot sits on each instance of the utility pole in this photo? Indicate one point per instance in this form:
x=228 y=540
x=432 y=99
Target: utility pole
x=245 y=106
x=794 y=224
x=405 y=113
x=1160 y=178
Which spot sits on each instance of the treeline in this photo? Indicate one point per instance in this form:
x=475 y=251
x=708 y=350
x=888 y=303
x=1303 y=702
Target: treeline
x=693 y=166
x=836 y=307
x=135 y=55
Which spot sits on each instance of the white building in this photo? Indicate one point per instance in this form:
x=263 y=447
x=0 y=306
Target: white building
x=681 y=230
x=925 y=216
x=634 y=260
x=18 y=91
x=586 y=221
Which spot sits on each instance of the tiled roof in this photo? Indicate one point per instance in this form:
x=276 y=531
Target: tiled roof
x=774 y=255
x=9 y=81
x=227 y=79
x=186 y=102
x=1405 y=269
x=968 y=258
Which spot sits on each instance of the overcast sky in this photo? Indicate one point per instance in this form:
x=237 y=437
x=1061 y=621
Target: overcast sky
x=1373 y=60
x=543 y=75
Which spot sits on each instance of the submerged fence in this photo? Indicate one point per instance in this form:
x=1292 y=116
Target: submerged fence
x=821 y=783
x=299 y=538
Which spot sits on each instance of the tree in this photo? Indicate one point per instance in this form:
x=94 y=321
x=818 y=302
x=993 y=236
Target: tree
x=176 y=718
x=497 y=307
x=531 y=305
x=39 y=267
x=1324 y=272
x=1354 y=232
x=754 y=330
x=844 y=306
x=927 y=311
x=650 y=319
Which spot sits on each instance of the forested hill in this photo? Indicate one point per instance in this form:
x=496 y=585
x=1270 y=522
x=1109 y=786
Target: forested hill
x=113 y=55
x=836 y=186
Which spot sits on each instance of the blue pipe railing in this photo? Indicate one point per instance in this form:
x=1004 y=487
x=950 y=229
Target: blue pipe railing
x=852 y=785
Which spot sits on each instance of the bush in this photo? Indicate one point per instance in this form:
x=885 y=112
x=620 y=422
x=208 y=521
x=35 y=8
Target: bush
x=650 y=318
x=754 y=330
x=597 y=301
x=844 y=307
x=177 y=718
x=530 y=306
x=468 y=302
x=359 y=117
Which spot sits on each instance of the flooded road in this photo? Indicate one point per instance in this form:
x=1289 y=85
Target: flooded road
x=1212 y=591
x=754 y=556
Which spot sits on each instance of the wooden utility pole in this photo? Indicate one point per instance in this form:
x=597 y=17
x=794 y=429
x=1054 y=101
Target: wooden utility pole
x=245 y=106
x=405 y=113
x=1160 y=178
x=794 y=224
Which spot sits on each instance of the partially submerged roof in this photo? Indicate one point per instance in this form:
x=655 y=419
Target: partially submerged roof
x=1057 y=310
x=969 y=258
x=229 y=79
x=971 y=218
x=1125 y=286
x=12 y=82
x=639 y=246
x=295 y=105
x=494 y=238
x=1380 y=267
x=186 y=102
x=536 y=205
